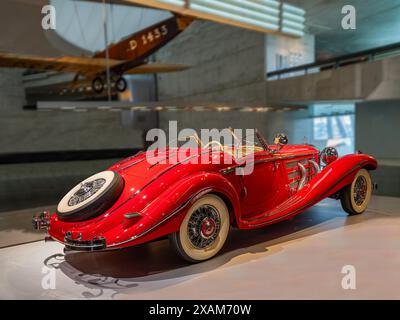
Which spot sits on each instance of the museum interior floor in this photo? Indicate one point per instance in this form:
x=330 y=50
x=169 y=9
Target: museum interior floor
x=301 y=258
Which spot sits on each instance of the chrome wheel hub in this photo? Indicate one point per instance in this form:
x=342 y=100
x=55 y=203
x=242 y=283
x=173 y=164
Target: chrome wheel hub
x=207 y=227
x=360 y=190
x=204 y=226
x=85 y=191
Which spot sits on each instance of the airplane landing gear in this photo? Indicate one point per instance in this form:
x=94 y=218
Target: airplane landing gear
x=98 y=85
x=120 y=84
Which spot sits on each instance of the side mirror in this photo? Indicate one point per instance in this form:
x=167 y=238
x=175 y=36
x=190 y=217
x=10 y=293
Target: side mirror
x=281 y=140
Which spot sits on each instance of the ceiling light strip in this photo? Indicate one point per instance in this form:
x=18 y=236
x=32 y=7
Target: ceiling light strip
x=261 y=15
x=293 y=25
x=225 y=8
x=254 y=5
x=291 y=31
x=293 y=17
x=269 y=3
x=292 y=20
x=179 y=3
x=292 y=9
x=238 y=18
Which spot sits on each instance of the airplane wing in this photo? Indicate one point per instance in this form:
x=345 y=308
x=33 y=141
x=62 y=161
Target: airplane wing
x=83 y=65
x=157 y=68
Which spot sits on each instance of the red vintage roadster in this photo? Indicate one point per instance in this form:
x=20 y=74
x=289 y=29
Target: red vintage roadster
x=134 y=202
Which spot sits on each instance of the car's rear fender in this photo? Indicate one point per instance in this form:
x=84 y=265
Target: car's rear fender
x=185 y=192
x=164 y=214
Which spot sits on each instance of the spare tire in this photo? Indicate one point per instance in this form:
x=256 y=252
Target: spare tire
x=91 y=197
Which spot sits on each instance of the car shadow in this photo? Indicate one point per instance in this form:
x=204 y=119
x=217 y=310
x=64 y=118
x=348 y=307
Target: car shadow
x=128 y=268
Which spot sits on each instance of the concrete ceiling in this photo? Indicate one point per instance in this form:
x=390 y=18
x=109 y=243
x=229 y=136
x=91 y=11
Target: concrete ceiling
x=79 y=26
x=378 y=24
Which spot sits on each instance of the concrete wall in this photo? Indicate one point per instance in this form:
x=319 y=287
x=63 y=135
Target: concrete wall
x=30 y=185
x=375 y=80
x=33 y=131
x=12 y=94
x=297 y=125
x=227 y=64
x=24 y=185
x=378 y=134
x=285 y=52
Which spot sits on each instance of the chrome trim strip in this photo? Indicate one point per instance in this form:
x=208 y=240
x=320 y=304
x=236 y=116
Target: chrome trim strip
x=133 y=163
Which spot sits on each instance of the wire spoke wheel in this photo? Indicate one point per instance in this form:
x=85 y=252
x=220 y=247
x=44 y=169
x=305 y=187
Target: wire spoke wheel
x=91 y=197
x=356 y=196
x=86 y=190
x=203 y=226
x=360 y=190
x=204 y=229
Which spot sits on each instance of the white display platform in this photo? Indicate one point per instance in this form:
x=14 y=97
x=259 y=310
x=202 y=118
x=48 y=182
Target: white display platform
x=297 y=259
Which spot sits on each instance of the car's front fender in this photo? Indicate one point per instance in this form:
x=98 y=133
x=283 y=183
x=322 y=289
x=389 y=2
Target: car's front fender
x=330 y=180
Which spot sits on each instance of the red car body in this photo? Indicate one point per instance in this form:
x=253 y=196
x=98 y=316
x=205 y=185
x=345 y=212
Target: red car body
x=161 y=194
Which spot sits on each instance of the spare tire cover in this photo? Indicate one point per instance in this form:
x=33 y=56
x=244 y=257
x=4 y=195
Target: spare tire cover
x=91 y=197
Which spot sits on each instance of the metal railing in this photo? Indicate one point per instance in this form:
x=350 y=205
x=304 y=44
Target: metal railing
x=337 y=62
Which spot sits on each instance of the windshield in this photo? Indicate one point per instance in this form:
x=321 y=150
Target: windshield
x=226 y=140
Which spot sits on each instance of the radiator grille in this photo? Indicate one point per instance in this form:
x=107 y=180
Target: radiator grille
x=294 y=173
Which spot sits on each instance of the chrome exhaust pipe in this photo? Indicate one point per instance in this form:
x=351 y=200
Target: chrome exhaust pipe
x=303 y=176
x=316 y=167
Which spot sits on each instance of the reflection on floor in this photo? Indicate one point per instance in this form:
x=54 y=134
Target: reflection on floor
x=301 y=258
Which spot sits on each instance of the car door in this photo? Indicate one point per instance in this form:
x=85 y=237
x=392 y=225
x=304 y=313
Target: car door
x=265 y=187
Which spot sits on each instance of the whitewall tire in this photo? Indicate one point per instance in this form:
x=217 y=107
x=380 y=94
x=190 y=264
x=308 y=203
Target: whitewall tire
x=356 y=196
x=91 y=197
x=203 y=231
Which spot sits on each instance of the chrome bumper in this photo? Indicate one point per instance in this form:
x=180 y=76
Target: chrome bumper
x=41 y=221
x=84 y=245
